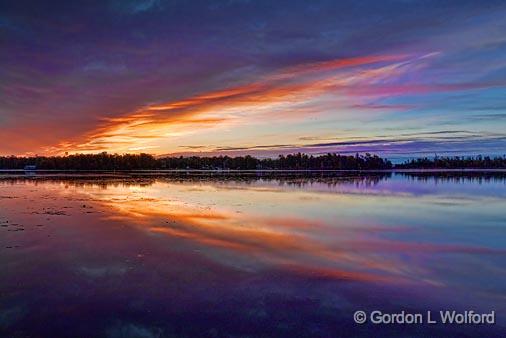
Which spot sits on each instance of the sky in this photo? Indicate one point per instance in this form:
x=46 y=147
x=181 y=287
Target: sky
x=395 y=78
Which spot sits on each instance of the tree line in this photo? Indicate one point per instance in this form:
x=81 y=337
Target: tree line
x=105 y=161
x=102 y=161
x=290 y=162
x=455 y=162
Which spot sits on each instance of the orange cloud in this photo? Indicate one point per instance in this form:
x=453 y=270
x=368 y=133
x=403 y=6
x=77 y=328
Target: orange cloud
x=289 y=95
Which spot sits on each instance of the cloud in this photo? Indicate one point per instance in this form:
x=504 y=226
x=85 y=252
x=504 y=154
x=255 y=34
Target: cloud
x=137 y=6
x=444 y=141
x=291 y=94
x=417 y=89
x=116 y=75
x=487 y=117
x=343 y=87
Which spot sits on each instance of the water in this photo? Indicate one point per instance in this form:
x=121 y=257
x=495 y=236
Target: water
x=216 y=257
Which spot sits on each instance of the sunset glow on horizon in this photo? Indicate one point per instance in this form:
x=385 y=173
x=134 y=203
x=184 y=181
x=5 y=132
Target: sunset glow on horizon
x=259 y=78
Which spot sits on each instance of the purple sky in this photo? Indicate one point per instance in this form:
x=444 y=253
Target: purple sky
x=397 y=78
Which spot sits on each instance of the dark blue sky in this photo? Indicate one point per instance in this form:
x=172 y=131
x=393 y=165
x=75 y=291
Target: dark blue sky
x=263 y=77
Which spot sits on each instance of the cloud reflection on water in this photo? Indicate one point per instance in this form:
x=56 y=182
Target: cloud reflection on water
x=350 y=230
x=141 y=252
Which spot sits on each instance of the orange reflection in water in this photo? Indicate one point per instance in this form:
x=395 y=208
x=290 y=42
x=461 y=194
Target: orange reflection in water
x=257 y=225
x=302 y=230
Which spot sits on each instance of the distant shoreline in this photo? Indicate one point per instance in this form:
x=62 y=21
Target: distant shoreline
x=292 y=163
x=98 y=175
x=251 y=171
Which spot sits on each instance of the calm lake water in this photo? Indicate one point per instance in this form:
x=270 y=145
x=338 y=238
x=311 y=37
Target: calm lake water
x=293 y=257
